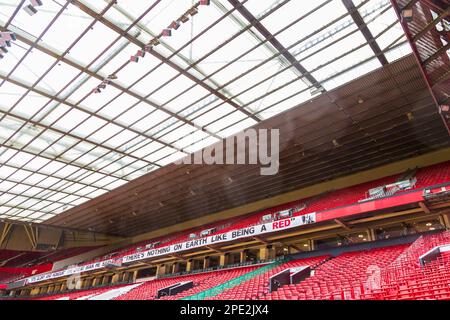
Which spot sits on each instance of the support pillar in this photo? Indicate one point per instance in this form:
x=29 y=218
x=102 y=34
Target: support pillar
x=445 y=220
x=371 y=234
x=312 y=245
x=160 y=269
x=267 y=253
x=115 y=278
x=176 y=267
x=223 y=260
x=96 y=282
x=243 y=256
x=189 y=265
x=206 y=262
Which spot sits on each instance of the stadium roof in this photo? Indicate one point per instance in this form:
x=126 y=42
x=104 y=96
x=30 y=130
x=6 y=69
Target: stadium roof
x=78 y=118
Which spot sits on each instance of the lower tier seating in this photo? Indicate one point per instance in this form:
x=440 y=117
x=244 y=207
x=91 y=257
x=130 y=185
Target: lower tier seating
x=202 y=281
x=258 y=286
x=391 y=272
x=79 y=294
x=343 y=277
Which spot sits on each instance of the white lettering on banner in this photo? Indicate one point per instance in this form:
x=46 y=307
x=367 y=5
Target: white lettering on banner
x=224 y=237
x=68 y=272
x=228 y=236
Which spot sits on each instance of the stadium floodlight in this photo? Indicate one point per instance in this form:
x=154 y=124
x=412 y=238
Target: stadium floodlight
x=192 y=11
x=140 y=53
x=154 y=42
x=166 y=33
x=30 y=10
x=360 y=100
x=5 y=43
x=174 y=25
x=148 y=48
x=184 y=18
x=407 y=15
x=36 y=3
x=8 y=36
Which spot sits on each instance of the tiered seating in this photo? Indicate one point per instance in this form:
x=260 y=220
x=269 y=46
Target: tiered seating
x=405 y=278
x=343 y=277
x=216 y=278
x=8 y=254
x=257 y=287
x=433 y=175
x=436 y=174
x=202 y=281
x=63 y=254
x=21 y=259
x=6 y=277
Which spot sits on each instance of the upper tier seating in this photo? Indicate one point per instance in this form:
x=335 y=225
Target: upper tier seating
x=433 y=175
x=63 y=254
x=10 y=258
x=258 y=286
x=6 y=277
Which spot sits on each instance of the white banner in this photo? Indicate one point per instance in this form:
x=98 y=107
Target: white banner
x=274 y=226
x=68 y=272
x=224 y=237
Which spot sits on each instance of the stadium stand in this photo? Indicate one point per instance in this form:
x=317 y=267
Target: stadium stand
x=426 y=177
x=383 y=273
x=202 y=281
x=258 y=286
x=343 y=277
x=323 y=285
x=226 y=149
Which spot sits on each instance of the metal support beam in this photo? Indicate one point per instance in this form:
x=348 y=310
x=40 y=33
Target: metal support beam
x=365 y=31
x=342 y=224
x=424 y=207
x=177 y=256
x=272 y=40
x=261 y=240
x=6 y=228
x=441 y=51
x=214 y=249
x=407 y=32
x=160 y=57
x=31 y=235
x=431 y=25
x=296 y=248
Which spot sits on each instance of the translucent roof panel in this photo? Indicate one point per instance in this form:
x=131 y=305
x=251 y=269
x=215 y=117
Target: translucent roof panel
x=84 y=108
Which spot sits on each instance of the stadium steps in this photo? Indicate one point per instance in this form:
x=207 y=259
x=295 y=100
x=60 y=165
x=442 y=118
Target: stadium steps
x=212 y=292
